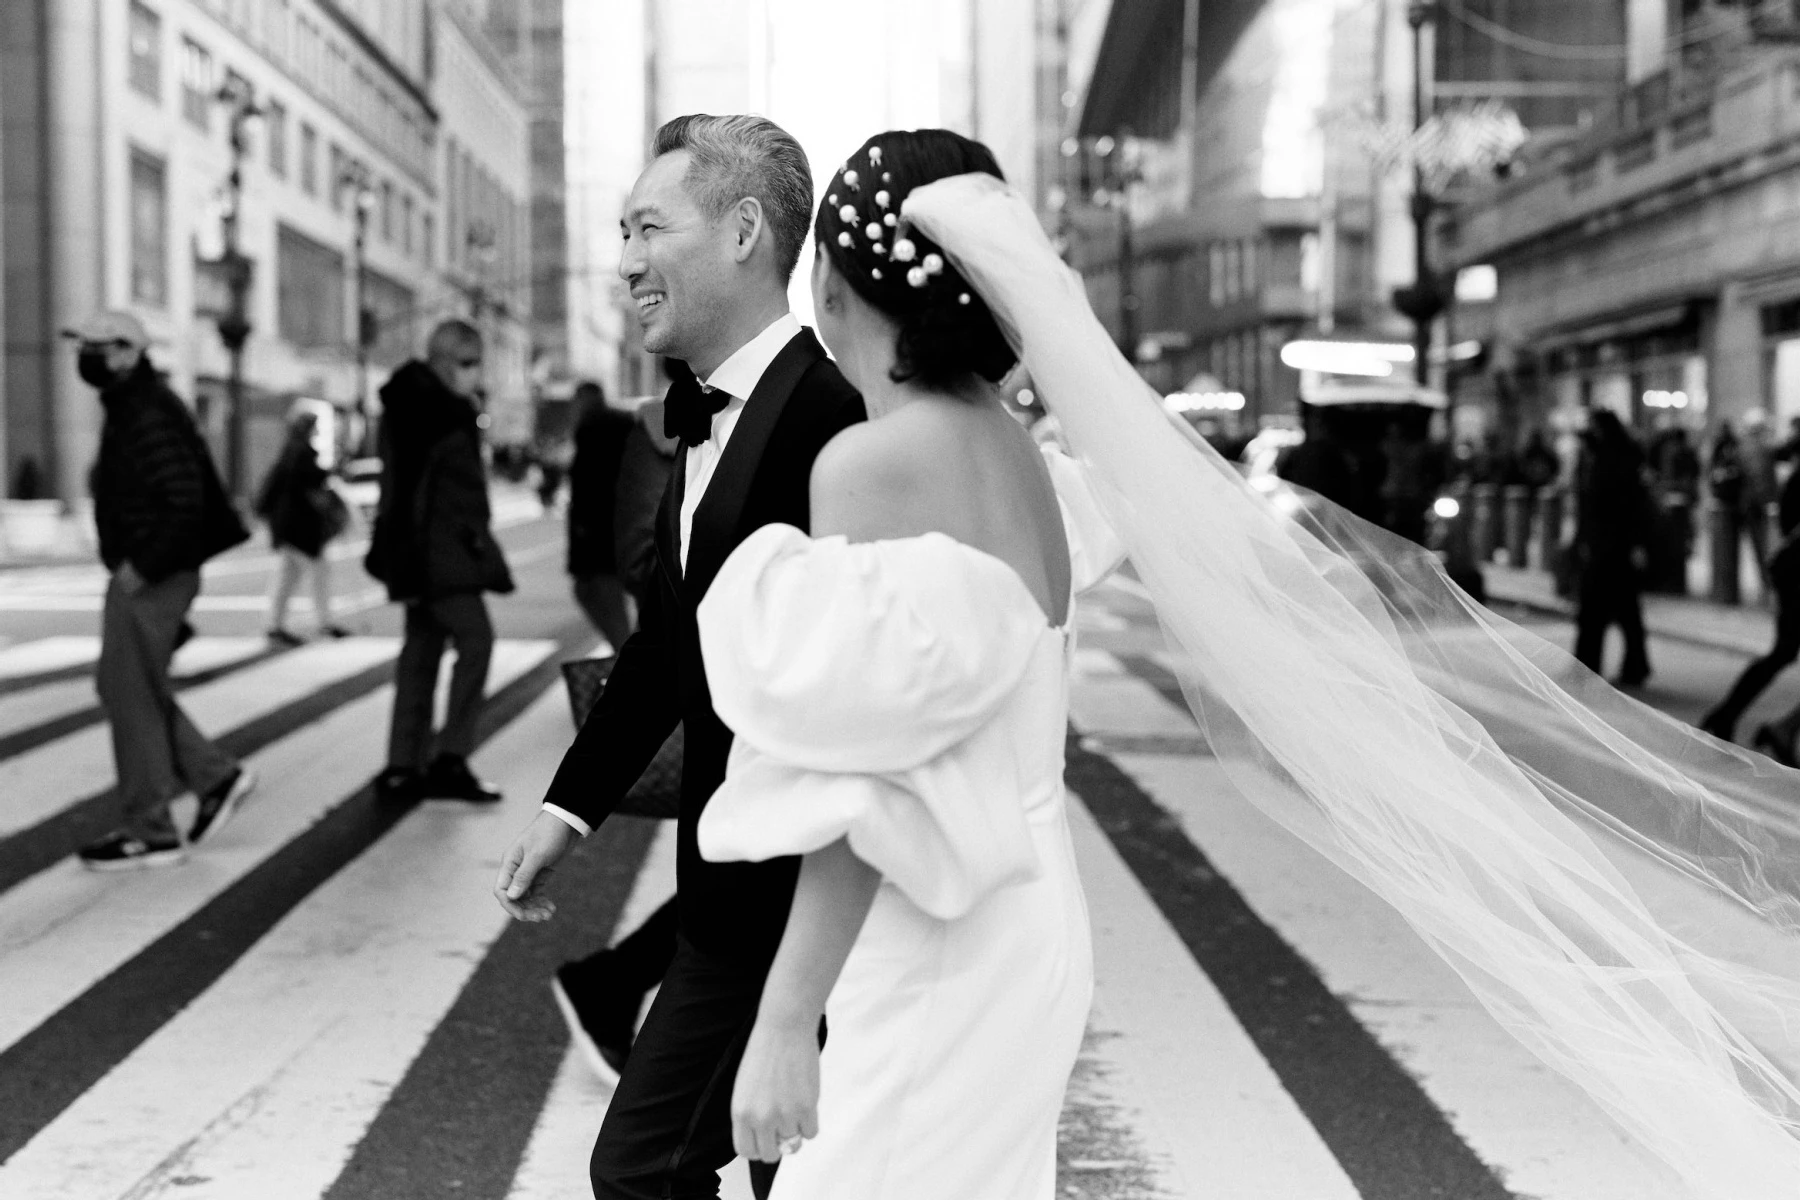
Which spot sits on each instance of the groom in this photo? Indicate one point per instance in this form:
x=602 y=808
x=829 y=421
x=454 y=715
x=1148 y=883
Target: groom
x=713 y=229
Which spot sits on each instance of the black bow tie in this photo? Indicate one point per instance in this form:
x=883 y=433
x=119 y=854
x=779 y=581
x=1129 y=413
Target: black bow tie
x=689 y=410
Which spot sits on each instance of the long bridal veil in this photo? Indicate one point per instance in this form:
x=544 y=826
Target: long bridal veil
x=1467 y=772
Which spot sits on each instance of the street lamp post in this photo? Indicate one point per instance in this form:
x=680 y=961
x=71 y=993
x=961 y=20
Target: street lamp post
x=1423 y=300
x=356 y=179
x=234 y=322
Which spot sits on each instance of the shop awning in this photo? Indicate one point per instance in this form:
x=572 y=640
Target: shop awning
x=1630 y=324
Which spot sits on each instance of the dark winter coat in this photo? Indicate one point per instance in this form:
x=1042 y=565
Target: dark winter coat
x=158 y=501
x=433 y=533
x=643 y=478
x=593 y=476
x=295 y=499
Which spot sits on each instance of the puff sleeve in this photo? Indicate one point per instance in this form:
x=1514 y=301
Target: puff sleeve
x=859 y=679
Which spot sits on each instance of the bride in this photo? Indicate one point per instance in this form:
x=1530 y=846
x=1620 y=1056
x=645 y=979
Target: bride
x=898 y=688
x=897 y=685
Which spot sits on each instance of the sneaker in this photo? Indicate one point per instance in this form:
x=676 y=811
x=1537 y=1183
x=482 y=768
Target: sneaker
x=282 y=637
x=605 y=1045
x=127 y=852
x=218 y=805
x=399 y=785
x=449 y=778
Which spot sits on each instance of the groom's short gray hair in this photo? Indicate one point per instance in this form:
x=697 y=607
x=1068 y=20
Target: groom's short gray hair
x=741 y=155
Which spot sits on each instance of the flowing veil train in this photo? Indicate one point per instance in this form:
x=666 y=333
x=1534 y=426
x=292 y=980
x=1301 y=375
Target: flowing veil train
x=1460 y=767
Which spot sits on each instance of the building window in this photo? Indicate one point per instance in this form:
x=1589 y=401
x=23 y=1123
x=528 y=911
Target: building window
x=275 y=118
x=335 y=182
x=309 y=291
x=309 y=159
x=406 y=225
x=1250 y=257
x=1215 y=274
x=149 y=230
x=428 y=240
x=197 y=86
x=145 y=37
x=387 y=211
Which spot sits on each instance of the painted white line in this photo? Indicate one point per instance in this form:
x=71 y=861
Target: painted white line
x=555 y=1165
x=46 y=702
x=1189 y=1081
x=1539 y=1132
x=43 y=781
x=48 y=654
x=264 y=1085
x=65 y=928
x=1106 y=700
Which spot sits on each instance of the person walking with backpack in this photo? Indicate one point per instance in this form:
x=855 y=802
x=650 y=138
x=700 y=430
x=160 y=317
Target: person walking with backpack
x=304 y=515
x=161 y=512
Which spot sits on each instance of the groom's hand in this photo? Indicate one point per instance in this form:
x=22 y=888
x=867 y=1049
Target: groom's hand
x=527 y=866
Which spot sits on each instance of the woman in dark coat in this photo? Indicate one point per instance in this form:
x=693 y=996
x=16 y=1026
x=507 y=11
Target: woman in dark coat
x=303 y=514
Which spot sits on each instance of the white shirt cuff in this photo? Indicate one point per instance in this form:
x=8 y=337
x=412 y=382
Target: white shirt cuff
x=570 y=819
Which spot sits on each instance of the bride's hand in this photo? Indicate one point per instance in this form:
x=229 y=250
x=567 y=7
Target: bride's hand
x=776 y=1097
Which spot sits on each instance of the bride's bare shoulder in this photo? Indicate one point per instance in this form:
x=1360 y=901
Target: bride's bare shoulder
x=867 y=479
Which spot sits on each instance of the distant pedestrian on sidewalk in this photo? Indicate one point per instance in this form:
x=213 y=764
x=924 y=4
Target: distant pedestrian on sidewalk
x=600 y=435
x=161 y=512
x=1612 y=536
x=434 y=547
x=1782 y=570
x=304 y=516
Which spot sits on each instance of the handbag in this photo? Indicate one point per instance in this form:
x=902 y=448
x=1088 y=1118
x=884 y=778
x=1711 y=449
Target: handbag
x=657 y=792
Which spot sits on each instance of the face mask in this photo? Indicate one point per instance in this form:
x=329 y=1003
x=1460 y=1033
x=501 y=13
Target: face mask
x=91 y=366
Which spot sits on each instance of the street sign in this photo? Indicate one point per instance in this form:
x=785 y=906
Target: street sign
x=213 y=281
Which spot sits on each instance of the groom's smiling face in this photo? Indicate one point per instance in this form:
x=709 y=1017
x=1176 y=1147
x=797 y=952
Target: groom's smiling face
x=679 y=264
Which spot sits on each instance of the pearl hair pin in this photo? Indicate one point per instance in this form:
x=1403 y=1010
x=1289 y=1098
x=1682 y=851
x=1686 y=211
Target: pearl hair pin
x=904 y=250
x=875 y=156
x=848 y=214
x=962 y=297
x=872 y=231
x=933 y=264
x=852 y=180
x=882 y=198
x=917 y=277
x=875 y=273
x=890 y=220
x=845 y=240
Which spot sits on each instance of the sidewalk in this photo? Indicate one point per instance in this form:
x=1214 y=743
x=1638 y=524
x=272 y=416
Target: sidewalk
x=1745 y=629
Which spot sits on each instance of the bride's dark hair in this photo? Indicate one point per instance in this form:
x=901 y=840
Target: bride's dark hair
x=946 y=332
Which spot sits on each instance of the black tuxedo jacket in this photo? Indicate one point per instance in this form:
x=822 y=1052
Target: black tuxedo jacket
x=736 y=910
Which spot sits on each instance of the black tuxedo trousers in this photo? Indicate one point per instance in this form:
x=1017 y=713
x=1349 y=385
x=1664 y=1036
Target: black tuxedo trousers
x=667 y=1131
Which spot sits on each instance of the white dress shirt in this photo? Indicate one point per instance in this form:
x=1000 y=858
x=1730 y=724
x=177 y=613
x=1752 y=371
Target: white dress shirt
x=737 y=377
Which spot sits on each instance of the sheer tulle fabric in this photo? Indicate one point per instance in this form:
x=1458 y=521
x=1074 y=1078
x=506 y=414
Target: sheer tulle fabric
x=1460 y=767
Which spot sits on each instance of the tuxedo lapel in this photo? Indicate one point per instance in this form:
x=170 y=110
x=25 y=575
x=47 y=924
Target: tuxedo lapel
x=716 y=519
x=668 y=523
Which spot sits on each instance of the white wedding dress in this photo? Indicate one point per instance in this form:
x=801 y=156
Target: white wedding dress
x=911 y=696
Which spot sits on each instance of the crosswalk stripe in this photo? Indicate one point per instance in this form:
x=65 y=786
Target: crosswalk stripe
x=1198 y=1090
x=46 y=654
x=61 y=1058
x=314 y=1025
x=23 y=709
x=42 y=781
x=1539 y=1132
x=554 y=1166
x=66 y=928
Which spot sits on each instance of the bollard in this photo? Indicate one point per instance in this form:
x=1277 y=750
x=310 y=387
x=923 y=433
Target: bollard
x=1484 y=523
x=1516 y=522
x=1722 y=524
x=1549 y=527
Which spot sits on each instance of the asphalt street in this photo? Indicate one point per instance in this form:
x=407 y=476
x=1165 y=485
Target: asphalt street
x=326 y=1002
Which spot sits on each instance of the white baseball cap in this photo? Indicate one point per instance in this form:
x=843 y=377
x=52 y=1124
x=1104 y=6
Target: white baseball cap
x=109 y=327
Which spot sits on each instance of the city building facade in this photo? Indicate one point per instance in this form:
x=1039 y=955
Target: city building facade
x=367 y=139
x=1650 y=264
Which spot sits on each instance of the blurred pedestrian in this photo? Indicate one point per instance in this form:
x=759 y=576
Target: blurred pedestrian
x=1413 y=473
x=161 y=511
x=1675 y=467
x=1776 y=738
x=600 y=996
x=434 y=547
x=600 y=436
x=304 y=514
x=1761 y=488
x=1612 y=533
x=1539 y=467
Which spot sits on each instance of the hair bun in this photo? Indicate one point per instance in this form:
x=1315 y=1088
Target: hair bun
x=946 y=332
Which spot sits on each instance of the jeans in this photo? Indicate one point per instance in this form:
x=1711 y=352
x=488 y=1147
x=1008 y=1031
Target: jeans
x=158 y=752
